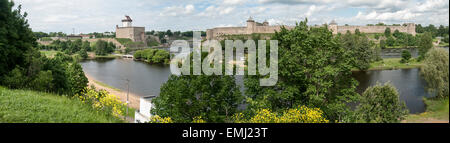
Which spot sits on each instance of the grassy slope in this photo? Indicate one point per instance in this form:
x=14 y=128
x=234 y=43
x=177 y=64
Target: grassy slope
x=23 y=106
x=437 y=109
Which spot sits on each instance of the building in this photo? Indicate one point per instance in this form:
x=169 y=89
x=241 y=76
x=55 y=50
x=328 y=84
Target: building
x=136 y=34
x=264 y=28
x=143 y=114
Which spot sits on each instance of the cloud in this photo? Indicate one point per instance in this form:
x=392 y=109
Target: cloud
x=233 y=2
x=178 y=10
x=102 y=15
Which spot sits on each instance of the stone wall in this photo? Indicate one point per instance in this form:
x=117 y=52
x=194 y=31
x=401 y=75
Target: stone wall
x=410 y=28
x=254 y=27
x=136 y=34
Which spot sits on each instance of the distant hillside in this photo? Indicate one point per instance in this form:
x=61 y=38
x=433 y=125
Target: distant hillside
x=24 y=106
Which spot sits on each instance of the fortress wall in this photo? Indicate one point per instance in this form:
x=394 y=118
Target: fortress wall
x=266 y=29
x=133 y=33
x=213 y=33
x=371 y=29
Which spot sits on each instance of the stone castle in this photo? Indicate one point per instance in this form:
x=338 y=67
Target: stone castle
x=264 y=28
x=136 y=34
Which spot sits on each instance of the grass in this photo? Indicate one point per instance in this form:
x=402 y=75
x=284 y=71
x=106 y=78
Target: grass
x=24 y=106
x=49 y=54
x=106 y=85
x=437 y=109
x=394 y=63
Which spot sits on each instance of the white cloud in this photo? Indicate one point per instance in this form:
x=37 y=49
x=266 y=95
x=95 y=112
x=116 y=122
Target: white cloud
x=233 y=2
x=102 y=15
x=178 y=10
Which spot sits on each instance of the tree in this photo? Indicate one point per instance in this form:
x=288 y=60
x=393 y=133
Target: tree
x=360 y=48
x=101 y=47
x=86 y=46
x=387 y=32
x=77 y=80
x=406 y=56
x=169 y=33
x=316 y=74
x=425 y=44
x=383 y=44
x=390 y=41
x=396 y=34
x=16 y=38
x=357 y=32
x=381 y=104
x=83 y=54
x=182 y=98
x=435 y=71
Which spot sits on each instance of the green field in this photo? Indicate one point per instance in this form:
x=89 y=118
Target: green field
x=394 y=63
x=437 y=109
x=24 y=106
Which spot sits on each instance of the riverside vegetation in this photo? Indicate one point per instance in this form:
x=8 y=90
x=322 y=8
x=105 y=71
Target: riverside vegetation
x=43 y=89
x=315 y=83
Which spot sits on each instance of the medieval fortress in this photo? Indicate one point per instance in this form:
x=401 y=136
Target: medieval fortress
x=264 y=28
x=136 y=34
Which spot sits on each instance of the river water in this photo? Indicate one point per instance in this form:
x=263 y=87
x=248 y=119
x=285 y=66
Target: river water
x=146 y=79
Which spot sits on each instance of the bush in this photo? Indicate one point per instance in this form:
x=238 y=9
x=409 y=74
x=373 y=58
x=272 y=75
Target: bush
x=381 y=104
x=406 y=56
x=102 y=100
x=302 y=114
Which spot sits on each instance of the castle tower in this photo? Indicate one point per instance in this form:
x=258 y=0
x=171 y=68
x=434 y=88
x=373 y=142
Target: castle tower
x=333 y=26
x=411 y=28
x=265 y=23
x=251 y=24
x=127 y=22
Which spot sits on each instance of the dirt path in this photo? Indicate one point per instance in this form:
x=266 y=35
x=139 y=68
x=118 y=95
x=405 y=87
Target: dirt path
x=134 y=100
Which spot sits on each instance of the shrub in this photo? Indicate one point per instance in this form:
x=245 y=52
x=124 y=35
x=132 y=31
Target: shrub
x=302 y=114
x=104 y=101
x=406 y=56
x=381 y=104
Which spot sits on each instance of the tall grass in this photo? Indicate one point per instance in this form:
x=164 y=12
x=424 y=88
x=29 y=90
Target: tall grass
x=24 y=106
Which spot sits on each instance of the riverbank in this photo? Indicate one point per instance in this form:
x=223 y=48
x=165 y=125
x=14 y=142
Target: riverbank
x=437 y=112
x=393 y=64
x=134 y=99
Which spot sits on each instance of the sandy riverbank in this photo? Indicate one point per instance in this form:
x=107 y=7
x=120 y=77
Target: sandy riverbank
x=134 y=99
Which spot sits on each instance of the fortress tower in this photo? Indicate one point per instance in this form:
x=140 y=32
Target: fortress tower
x=136 y=34
x=127 y=22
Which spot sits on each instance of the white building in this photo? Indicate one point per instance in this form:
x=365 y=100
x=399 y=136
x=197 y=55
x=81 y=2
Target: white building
x=143 y=114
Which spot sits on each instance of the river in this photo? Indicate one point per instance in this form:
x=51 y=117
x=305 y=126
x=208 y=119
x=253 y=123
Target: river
x=146 y=79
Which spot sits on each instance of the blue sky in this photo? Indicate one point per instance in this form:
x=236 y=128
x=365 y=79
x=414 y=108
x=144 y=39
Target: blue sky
x=103 y=15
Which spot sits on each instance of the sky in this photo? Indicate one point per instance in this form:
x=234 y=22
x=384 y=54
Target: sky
x=85 y=16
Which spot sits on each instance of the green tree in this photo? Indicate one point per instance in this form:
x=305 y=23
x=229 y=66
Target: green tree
x=43 y=81
x=16 y=38
x=425 y=44
x=83 y=54
x=381 y=104
x=387 y=32
x=383 y=44
x=182 y=98
x=390 y=41
x=360 y=48
x=77 y=80
x=406 y=56
x=436 y=72
x=316 y=74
